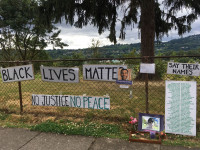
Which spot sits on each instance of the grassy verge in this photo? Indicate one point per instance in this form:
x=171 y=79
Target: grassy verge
x=81 y=128
x=85 y=127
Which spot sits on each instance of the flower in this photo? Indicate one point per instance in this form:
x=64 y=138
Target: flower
x=163 y=135
x=133 y=122
x=131 y=118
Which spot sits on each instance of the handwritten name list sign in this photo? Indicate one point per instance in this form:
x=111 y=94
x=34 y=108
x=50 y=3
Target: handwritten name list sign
x=180 y=107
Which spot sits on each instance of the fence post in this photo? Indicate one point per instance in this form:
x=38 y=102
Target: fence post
x=147 y=92
x=147 y=87
x=20 y=94
x=20 y=97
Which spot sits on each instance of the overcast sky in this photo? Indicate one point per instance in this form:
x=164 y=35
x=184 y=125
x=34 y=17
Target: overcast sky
x=82 y=38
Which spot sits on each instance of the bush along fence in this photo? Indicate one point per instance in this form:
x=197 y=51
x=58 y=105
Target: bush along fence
x=105 y=88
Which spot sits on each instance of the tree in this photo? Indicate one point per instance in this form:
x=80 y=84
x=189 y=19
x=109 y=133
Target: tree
x=104 y=14
x=22 y=36
x=95 y=48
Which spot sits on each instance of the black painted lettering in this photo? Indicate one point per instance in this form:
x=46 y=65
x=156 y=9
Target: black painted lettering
x=35 y=100
x=5 y=76
x=57 y=75
x=170 y=65
x=48 y=100
x=26 y=72
x=114 y=71
x=71 y=71
x=9 y=75
x=20 y=73
x=101 y=68
x=44 y=75
x=44 y=97
x=90 y=73
x=66 y=101
x=95 y=72
x=50 y=71
x=15 y=75
x=108 y=68
x=65 y=74
x=53 y=100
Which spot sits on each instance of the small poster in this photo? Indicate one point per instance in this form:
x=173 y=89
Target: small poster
x=147 y=68
x=183 y=69
x=124 y=76
x=180 y=107
x=17 y=73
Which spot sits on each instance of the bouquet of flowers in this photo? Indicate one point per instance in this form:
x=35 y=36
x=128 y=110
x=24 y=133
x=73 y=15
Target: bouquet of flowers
x=134 y=123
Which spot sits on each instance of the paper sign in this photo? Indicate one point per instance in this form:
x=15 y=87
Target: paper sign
x=17 y=73
x=183 y=69
x=60 y=74
x=124 y=86
x=147 y=68
x=180 y=107
x=72 y=101
x=101 y=72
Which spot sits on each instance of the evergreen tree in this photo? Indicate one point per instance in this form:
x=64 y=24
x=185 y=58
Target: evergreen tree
x=153 y=21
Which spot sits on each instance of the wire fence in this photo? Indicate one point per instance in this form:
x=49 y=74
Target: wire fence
x=146 y=94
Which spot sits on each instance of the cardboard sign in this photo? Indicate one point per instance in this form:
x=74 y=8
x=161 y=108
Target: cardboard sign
x=17 y=73
x=60 y=74
x=183 y=69
x=101 y=72
x=147 y=68
x=180 y=107
x=71 y=101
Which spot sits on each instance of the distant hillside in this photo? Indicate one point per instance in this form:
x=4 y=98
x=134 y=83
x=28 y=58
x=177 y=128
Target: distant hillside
x=118 y=50
x=185 y=44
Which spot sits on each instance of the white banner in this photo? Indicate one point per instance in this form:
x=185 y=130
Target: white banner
x=72 y=101
x=180 y=107
x=183 y=69
x=101 y=72
x=60 y=74
x=17 y=73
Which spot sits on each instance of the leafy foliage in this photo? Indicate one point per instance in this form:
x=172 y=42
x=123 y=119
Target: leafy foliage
x=22 y=34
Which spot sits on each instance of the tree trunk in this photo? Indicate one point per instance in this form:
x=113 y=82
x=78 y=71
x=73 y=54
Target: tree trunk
x=147 y=25
x=147 y=29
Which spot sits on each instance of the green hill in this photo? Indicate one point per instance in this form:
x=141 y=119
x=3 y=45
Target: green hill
x=118 y=50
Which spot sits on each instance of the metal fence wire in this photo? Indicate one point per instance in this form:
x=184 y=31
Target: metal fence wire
x=124 y=102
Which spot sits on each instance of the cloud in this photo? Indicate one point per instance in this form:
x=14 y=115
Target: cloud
x=82 y=38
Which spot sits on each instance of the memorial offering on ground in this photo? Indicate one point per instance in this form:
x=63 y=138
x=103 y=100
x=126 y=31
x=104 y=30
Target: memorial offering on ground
x=101 y=72
x=180 y=107
x=92 y=102
x=183 y=69
x=60 y=74
x=147 y=68
x=150 y=122
x=17 y=73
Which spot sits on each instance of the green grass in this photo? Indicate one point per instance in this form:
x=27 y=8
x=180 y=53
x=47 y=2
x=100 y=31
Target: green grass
x=181 y=140
x=82 y=128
